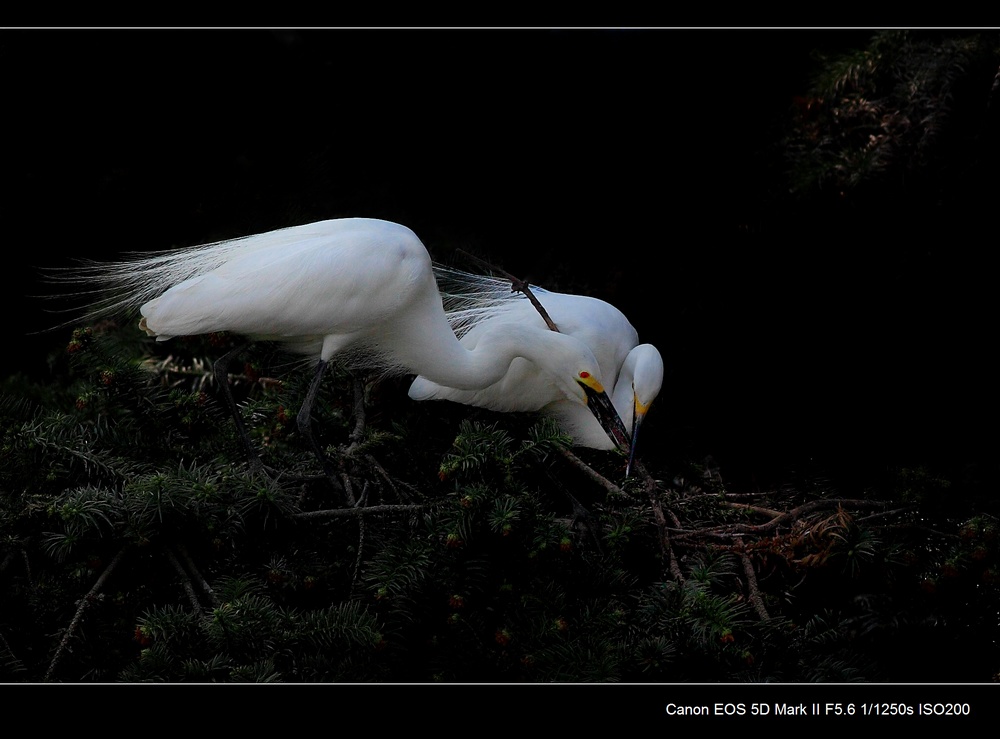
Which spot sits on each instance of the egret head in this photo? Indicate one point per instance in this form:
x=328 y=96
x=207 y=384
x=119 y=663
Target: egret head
x=647 y=379
x=573 y=367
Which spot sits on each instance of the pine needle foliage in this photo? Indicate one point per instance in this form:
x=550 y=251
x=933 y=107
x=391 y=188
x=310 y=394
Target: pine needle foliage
x=912 y=114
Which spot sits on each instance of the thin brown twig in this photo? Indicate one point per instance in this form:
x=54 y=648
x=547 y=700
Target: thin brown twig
x=406 y=487
x=793 y=514
x=185 y=581
x=666 y=546
x=78 y=616
x=341 y=512
x=348 y=489
x=516 y=284
x=755 y=509
x=590 y=471
x=361 y=539
x=6 y=647
x=640 y=469
x=755 y=598
x=886 y=514
x=27 y=567
x=196 y=574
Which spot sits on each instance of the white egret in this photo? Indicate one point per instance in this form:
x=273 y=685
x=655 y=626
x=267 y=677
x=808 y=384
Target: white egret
x=334 y=288
x=478 y=305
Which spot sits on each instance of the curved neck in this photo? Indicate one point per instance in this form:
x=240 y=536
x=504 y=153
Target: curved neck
x=433 y=351
x=490 y=360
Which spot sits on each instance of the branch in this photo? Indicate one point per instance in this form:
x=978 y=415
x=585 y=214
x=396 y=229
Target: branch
x=27 y=567
x=651 y=488
x=886 y=514
x=84 y=603
x=795 y=513
x=361 y=540
x=185 y=581
x=345 y=481
x=755 y=599
x=666 y=546
x=590 y=472
x=196 y=574
x=392 y=483
x=341 y=512
x=756 y=509
x=516 y=285
x=6 y=647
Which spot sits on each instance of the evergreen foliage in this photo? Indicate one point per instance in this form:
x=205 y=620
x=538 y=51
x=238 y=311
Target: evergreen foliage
x=138 y=545
x=909 y=119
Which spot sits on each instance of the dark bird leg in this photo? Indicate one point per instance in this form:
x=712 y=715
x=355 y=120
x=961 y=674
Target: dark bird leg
x=304 y=421
x=221 y=371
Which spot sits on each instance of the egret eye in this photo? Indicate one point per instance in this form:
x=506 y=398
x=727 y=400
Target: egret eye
x=584 y=375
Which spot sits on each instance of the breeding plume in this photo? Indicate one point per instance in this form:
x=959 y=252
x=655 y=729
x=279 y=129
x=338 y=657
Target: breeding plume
x=477 y=305
x=323 y=289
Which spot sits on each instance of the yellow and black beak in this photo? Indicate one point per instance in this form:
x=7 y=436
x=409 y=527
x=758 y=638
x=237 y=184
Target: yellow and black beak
x=638 y=413
x=600 y=405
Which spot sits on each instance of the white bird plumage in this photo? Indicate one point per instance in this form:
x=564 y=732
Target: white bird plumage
x=328 y=288
x=477 y=304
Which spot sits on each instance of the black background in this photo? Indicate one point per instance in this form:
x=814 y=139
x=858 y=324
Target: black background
x=641 y=166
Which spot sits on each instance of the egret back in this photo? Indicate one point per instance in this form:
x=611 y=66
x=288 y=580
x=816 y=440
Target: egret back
x=318 y=287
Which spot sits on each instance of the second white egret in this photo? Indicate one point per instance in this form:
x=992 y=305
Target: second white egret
x=478 y=305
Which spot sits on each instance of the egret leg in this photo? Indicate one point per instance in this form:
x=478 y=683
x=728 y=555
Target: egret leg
x=304 y=421
x=221 y=371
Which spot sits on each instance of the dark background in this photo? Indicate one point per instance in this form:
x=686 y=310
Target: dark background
x=640 y=166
